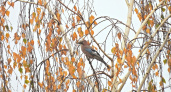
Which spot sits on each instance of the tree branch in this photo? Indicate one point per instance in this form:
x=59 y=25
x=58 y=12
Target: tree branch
x=153 y=60
x=144 y=50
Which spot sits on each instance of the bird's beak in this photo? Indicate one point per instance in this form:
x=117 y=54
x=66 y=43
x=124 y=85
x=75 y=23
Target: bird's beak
x=80 y=42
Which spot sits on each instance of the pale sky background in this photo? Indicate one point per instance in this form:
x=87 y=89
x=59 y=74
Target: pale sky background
x=112 y=8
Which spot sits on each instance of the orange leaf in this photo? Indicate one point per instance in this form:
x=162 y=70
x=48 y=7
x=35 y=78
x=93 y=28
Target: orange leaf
x=73 y=24
x=92 y=32
x=139 y=16
x=136 y=10
x=38 y=10
x=5 y=66
x=67 y=82
x=125 y=66
x=78 y=84
x=110 y=83
x=67 y=26
x=2 y=37
x=8 y=3
x=157 y=73
x=86 y=32
x=119 y=35
x=40 y=84
x=12 y=4
x=79 y=29
x=144 y=27
x=75 y=8
x=58 y=16
x=31 y=21
x=7 y=35
x=78 y=18
x=32 y=42
x=95 y=23
x=169 y=8
x=91 y=18
x=73 y=90
x=7 y=13
x=73 y=59
x=62 y=10
x=10 y=70
x=74 y=36
x=2 y=20
x=148 y=31
x=151 y=23
x=40 y=2
x=119 y=60
x=24 y=86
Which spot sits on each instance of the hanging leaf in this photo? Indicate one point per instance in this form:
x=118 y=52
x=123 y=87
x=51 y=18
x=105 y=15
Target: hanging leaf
x=119 y=35
x=7 y=13
x=163 y=9
x=165 y=61
x=25 y=41
x=26 y=81
x=86 y=32
x=136 y=10
x=75 y=8
x=38 y=10
x=148 y=31
x=7 y=35
x=21 y=70
x=92 y=32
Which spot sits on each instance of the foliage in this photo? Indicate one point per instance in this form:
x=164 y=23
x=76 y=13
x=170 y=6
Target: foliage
x=40 y=50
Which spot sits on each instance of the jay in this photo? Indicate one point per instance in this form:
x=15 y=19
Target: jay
x=90 y=52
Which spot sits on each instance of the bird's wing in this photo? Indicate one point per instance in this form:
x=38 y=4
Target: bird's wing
x=92 y=51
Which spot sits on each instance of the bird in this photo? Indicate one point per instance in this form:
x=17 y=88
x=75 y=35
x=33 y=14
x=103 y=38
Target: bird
x=90 y=52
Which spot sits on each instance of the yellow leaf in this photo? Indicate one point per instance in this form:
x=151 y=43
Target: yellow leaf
x=62 y=10
x=148 y=31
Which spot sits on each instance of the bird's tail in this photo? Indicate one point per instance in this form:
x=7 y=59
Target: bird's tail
x=105 y=64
